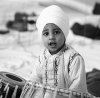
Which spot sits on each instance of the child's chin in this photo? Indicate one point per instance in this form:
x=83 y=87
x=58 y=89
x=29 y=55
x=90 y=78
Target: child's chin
x=53 y=51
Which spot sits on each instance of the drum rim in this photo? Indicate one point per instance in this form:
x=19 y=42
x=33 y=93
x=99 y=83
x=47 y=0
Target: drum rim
x=11 y=81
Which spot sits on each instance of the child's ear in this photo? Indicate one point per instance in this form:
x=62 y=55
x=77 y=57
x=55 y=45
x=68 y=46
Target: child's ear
x=65 y=41
x=65 y=38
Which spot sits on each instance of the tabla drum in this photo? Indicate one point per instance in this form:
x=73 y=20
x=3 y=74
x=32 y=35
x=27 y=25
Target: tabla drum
x=36 y=90
x=11 y=85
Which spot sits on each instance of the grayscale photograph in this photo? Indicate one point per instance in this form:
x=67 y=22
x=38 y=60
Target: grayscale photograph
x=49 y=48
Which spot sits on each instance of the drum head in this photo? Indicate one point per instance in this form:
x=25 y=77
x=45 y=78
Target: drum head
x=15 y=84
x=12 y=79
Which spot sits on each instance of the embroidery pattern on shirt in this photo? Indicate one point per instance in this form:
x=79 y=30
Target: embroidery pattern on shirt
x=71 y=59
x=55 y=65
x=46 y=71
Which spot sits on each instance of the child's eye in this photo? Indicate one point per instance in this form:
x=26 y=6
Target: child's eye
x=45 y=33
x=56 y=32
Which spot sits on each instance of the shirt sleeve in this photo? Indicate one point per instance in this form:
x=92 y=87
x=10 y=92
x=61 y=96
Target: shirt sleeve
x=36 y=75
x=77 y=75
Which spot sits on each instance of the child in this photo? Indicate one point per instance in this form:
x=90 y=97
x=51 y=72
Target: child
x=59 y=65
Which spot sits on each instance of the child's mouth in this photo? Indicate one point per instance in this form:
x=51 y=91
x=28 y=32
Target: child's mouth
x=52 y=44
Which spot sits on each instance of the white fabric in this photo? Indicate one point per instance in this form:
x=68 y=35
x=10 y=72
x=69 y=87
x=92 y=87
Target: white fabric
x=53 y=14
x=75 y=80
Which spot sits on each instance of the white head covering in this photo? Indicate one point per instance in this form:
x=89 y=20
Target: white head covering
x=53 y=14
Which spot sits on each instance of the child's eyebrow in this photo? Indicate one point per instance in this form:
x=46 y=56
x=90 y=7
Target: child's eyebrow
x=45 y=30
x=57 y=29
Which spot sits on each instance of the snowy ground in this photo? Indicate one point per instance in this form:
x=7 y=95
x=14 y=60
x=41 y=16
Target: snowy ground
x=18 y=50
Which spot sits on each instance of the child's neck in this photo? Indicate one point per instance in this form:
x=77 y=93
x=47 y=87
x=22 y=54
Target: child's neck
x=55 y=52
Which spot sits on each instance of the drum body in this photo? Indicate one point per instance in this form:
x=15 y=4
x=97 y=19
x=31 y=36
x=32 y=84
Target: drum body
x=37 y=90
x=11 y=85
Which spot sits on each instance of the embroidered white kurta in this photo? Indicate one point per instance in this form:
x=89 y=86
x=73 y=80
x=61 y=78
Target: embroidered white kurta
x=69 y=76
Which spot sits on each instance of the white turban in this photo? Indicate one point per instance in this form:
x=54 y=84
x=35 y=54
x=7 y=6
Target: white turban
x=53 y=14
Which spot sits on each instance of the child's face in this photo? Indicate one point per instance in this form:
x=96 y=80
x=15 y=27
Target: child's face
x=53 y=38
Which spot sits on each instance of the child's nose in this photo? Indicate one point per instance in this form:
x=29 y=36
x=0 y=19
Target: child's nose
x=51 y=36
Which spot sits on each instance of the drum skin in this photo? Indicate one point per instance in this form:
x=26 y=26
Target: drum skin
x=14 y=82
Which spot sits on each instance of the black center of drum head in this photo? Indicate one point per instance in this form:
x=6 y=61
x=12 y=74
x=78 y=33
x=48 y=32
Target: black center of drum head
x=14 y=77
